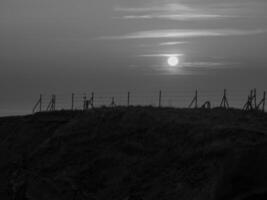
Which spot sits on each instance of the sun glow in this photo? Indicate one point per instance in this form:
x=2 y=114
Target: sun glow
x=173 y=61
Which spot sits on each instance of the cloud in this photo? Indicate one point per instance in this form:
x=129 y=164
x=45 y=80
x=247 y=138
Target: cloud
x=176 y=33
x=204 y=64
x=177 y=17
x=181 y=12
x=172 y=43
x=161 y=55
x=166 y=8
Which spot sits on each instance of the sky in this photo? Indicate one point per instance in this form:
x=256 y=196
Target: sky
x=65 y=46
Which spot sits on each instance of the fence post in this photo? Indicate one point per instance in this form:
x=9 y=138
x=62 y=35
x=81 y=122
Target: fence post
x=38 y=104
x=113 y=104
x=54 y=102
x=72 y=101
x=160 y=97
x=92 y=99
x=255 y=98
x=264 y=100
x=224 y=102
x=261 y=105
x=84 y=101
x=41 y=102
x=128 y=99
x=195 y=100
x=196 y=105
x=249 y=104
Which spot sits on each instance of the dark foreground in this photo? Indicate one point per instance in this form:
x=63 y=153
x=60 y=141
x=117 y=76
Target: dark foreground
x=134 y=153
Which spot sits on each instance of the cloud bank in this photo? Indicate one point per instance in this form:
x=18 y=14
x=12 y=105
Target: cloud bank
x=161 y=55
x=177 y=17
x=176 y=11
x=165 y=7
x=176 y=33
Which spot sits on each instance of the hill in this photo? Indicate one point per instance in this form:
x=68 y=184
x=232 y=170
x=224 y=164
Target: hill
x=134 y=153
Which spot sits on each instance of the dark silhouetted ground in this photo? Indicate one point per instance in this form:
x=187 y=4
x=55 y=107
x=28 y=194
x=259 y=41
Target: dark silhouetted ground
x=134 y=153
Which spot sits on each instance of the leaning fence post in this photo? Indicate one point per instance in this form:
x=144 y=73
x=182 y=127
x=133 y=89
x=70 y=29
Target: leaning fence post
x=41 y=102
x=195 y=100
x=264 y=100
x=262 y=103
x=196 y=106
x=255 y=98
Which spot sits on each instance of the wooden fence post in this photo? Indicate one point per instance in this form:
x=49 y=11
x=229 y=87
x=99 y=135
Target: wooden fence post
x=41 y=102
x=224 y=102
x=92 y=99
x=160 y=98
x=128 y=99
x=195 y=100
x=72 y=101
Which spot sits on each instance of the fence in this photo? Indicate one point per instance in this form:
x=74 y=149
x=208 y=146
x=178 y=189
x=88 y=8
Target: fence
x=247 y=100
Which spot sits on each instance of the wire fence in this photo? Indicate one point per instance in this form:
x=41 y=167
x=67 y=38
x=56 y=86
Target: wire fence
x=177 y=99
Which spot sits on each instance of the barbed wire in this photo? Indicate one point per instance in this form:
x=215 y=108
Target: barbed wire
x=168 y=98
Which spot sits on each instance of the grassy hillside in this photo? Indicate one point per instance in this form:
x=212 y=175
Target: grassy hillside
x=126 y=153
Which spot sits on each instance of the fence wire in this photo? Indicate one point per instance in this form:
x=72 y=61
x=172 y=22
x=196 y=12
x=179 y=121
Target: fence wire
x=176 y=99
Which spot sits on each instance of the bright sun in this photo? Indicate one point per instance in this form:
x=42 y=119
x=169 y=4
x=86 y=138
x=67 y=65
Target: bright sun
x=173 y=61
